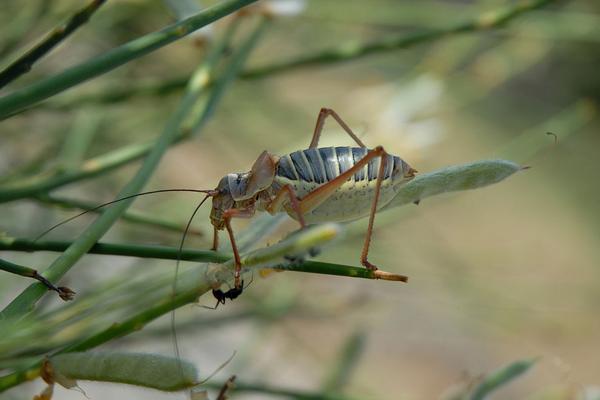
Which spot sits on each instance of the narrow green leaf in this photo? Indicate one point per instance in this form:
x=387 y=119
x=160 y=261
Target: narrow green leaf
x=500 y=378
x=30 y=95
x=25 y=301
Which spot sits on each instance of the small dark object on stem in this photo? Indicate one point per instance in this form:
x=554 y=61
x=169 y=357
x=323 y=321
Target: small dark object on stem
x=294 y=260
x=63 y=292
x=314 y=251
x=555 y=136
x=227 y=386
x=221 y=296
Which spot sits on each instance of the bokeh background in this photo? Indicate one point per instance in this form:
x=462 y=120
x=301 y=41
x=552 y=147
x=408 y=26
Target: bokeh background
x=499 y=274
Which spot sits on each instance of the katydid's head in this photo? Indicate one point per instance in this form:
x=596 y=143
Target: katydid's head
x=242 y=188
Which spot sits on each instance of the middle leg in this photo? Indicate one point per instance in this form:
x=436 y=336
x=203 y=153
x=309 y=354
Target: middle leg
x=277 y=202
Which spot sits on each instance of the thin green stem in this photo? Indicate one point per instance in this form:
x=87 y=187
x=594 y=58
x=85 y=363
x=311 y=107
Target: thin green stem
x=125 y=155
x=24 y=98
x=25 y=302
x=21 y=23
x=499 y=378
x=354 y=50
x=86 y=125
x=170 y=253
x=116 y=330
x=345 y=52
x=345 y=364
x=64 y=292
x=265 y=389
x=189 y=289
x=24 y=63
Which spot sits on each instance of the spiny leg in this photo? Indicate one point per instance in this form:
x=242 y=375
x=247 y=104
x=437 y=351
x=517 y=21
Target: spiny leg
x=227 y=215
x=323 y=192
x=277 y=202
x=323 y=114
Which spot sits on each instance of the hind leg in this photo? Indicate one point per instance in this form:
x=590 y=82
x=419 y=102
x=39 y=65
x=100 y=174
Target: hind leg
x=323 y=114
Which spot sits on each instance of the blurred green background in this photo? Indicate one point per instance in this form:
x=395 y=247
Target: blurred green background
x=498 y=274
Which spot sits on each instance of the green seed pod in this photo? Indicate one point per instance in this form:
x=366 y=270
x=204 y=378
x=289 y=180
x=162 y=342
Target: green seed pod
x=147 y=370
x=459 y=177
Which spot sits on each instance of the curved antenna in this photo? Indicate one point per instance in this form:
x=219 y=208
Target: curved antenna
x=38 y=237
x=174 y=287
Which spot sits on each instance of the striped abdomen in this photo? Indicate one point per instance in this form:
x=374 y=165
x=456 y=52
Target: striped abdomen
x=326 y=163
x=305 y=170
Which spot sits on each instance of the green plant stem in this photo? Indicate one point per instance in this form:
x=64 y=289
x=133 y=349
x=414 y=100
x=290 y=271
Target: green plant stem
x=28 y=96
x=500 y=378
x=25 y=301
x=24 y=63
x=120 y=329
x=86 y=125
x=20 y=24
x=133 y=216
x=63 y=292
x=354 y=50
x=344 y=52
x=346 y=363
x=228 y=73
x=170 y=253
x=124 y=155
x=190 y=288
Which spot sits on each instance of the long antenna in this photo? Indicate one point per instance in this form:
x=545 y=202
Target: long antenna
x=174 y=290
x=38 y=237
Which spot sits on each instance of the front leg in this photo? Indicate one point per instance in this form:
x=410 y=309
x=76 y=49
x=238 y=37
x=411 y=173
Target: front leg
x=227 y=216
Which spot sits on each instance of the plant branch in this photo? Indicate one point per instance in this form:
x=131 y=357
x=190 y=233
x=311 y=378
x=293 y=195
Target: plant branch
x=345 y=52
x=64 y=292
x=24 y=98
x=273 y=256
x=346 y=363
x=190 y=288
x=265 y=389
x=24 y=63
x=354 y=50
x=125 y=155
x=25 y=302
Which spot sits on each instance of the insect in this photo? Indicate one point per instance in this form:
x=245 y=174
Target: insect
x=221 y=296
x=313 y=185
